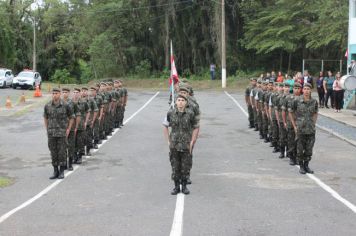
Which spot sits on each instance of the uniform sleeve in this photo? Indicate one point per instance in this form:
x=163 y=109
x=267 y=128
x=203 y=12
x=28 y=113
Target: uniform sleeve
x=95 y=106
x=284 y=104
x=195 y=121
x=292 y=106
x=87 y=107
x=45 y=112
x=167 y=119
x=69 y=111
x=247 y=92
x=76 y=110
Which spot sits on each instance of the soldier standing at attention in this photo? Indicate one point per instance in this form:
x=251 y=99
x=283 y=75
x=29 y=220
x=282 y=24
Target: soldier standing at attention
x=267 y=102
x=274 y=124
x=90 y=123
x=102 y=124
x=96 y=126
x=124 y=102
x=281 y=127
x=249 y=104
x=58 y=120
x=253 y=104
x=71 y=136
x=303 y=114
x=258 y=105
x=83 y=108
x=181 y=140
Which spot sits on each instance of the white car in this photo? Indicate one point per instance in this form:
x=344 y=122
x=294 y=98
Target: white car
x=27 y=79
x=6 y=77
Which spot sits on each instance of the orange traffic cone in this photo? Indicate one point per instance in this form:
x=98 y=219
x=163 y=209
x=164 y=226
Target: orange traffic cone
x=38 y=92
x=22 y=98
x=8 y=103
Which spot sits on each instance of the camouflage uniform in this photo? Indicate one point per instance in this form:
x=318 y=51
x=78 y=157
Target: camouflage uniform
x=254 y=110
x=107 y=119
x=282 y=130
x=258 y=98
x=71 y=137
x=58 y=116
x=304 y=112
x=81 y=134
x=89 y=130
x=249 y=107
x=274 y=122
x=123 y=107
x=182 y=125
x=96 y=128
x=103 y=121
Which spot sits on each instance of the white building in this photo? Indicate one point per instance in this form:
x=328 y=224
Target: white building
x=352 y=32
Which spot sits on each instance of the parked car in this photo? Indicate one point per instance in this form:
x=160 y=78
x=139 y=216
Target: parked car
x=27 y=79
x=6 y=77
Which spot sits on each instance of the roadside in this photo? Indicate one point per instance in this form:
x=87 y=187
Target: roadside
x=346 y=116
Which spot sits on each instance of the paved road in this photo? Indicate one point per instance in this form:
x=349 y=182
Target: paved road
x=239 y=186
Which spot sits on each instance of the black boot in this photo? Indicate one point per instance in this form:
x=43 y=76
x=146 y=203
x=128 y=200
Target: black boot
x=88 y=151
x=189 y=181
x=292 y=161
x=307 y=169
x=176 y=189
x=281 y=156
x=79 y=161
x=55 y=173
x=61 y=173
x=96 y=144
x=301 y=168
x=256 y=128
x=261 y=136
x=185 y=190
x=276 y=149
x=70 y=162
x=100 y=142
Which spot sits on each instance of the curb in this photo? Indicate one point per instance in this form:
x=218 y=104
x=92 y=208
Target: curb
x=353 y=143
x=343 y=122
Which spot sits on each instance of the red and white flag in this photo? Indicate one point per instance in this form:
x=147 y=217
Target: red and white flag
x=174 y=78
x=347 y=53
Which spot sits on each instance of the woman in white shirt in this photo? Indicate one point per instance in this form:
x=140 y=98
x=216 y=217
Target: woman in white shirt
x=338 y=92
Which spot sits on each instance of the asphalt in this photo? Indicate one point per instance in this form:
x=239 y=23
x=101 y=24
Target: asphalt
x=239 y=187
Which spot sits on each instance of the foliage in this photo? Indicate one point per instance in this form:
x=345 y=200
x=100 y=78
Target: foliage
x=62 y=77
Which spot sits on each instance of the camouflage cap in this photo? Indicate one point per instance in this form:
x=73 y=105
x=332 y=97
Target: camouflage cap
x=259 y=81
x=181 y=96
x=85 y=88
x=93 y=88
x=184 y=88
x=253 y=79
x=56 y=90
x=286 y=84
x=281 y=85
x=308 y=85
x=297 y=85
x=264 y=82
x=77 y=89
x=65 y=89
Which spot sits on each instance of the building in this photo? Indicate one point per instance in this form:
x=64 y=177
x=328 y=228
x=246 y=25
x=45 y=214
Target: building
x=352 y=32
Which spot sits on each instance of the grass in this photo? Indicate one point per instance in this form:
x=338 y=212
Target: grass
x=4 y=182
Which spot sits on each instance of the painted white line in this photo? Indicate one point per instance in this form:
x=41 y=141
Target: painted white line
x=177 y=226
x=332 y=192
x=58 y=181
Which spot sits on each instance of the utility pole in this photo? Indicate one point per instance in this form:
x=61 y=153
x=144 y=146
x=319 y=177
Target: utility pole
x=34 y=45
x=223 y=46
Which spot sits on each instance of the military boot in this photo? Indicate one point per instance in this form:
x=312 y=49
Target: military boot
x=61 y=173
x=256 y=128
x=307 y=169
x=88 y=151
x=185 y=190
x=276 y=149
x=96 y=144
x=302 y=168
x=281 y=156
x=176 y=189
x=70 y=162
x=79 y=161
x=55 y=173
x=189 y=181
x=292 y=161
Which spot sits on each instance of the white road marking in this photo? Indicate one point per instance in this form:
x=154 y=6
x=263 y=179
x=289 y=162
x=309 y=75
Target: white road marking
x=58 y=181
x=332 y=192
x=177 y=226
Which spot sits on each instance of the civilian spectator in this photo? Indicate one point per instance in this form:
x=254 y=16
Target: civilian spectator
x=352 y=68
x=307 y=79
x=328 y=88
x=320 y=88
x=212 y=71
x=338 y=92
x=273 y=76
x=289 y=80
x=280 y=78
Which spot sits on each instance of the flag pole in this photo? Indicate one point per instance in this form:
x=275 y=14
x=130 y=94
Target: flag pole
x=171 y=77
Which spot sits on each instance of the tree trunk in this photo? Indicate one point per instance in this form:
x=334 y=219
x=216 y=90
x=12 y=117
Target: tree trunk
x=289 y=62
x=166 y=41
x=280 y=60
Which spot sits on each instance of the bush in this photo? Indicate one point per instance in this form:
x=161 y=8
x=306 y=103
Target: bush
x=62 y=77
x=85 y=72
x=143 y=69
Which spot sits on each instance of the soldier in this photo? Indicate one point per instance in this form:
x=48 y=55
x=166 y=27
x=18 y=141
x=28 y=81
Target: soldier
x=71 y=136
x=258 y=105
x=264 y=95
x=102 y=124
x=274 y=123
x=267 y=103
x=248 y=91
x=96 y=126
x=291 y=143
x=193 y=106
x=84 y=110
x=58 y=120
x=253 y=104
x=181 y=140
x=92 y=118
x=118 y=109
x=123 y=102
x=281 y=123
x=303 y=115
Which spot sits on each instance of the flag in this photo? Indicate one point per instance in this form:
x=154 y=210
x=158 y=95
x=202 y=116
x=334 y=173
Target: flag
x=173 y=79
x=347 y=53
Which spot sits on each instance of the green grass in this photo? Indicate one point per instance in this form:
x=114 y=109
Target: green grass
x=4 y=182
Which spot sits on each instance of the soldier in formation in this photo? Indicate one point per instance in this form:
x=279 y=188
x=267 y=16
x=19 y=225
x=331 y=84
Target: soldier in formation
x=286 y=120
x=78 y=122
